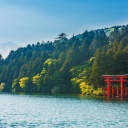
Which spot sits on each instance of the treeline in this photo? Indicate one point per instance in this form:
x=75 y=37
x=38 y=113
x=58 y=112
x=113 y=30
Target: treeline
x=72 y=65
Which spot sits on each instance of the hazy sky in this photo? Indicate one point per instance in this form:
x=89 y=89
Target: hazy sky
x=30 y=21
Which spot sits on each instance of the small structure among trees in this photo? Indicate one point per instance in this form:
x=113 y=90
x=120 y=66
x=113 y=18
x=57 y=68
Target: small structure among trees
x=121 y=91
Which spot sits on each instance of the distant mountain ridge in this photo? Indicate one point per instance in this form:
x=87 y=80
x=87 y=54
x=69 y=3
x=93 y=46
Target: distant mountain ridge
x=6 y=47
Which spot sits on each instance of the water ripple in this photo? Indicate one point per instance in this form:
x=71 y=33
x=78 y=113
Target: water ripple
x=47 y=111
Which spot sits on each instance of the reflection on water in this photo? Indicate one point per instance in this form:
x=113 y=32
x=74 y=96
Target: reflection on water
x=67 y=111
x=115 y=99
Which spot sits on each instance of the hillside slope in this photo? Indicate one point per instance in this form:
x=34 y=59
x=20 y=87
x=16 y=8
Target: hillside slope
x=72 y=65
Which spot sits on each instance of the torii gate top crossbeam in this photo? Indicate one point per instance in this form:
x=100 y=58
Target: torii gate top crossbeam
x=115 y=76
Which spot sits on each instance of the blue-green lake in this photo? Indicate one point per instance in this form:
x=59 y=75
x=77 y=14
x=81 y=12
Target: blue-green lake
x=65 y=111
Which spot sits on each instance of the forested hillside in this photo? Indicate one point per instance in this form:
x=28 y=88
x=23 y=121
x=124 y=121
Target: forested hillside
x=72 y=65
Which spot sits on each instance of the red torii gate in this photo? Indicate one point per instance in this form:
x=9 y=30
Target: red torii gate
x=120 y=92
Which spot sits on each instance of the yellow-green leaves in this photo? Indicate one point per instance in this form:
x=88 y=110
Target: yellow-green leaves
x=36 y=78
x=86 y=89
x=98 y=92
x=15 y=82
x=50 y=61
x=24 y=83
x=89 y=90
x=2 y=86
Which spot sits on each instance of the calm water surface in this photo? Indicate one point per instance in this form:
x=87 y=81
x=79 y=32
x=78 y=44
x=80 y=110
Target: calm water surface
x=54 y=111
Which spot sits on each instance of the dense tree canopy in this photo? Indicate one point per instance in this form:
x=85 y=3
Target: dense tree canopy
x=72 y=65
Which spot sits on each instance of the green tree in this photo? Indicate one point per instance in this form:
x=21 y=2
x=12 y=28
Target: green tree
x=25 y=83
x=61 y=36
x=16 y=86
x=98 y=69
x=39 y=80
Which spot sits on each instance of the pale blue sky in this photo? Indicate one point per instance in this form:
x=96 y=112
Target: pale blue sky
x=30 y=21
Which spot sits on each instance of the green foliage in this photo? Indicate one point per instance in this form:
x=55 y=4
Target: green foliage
x=50 y=61
x=98 y=92
x=16 y=86
x=2 y=87
x=79 y=75
x=37 y=80
x=86 y=89
x=72 y=65
x=98 y=68
x=55 y=90
x=61 y=36
x=25 y=83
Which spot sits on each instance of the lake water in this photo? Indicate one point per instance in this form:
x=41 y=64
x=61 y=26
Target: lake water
x=54 y=111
